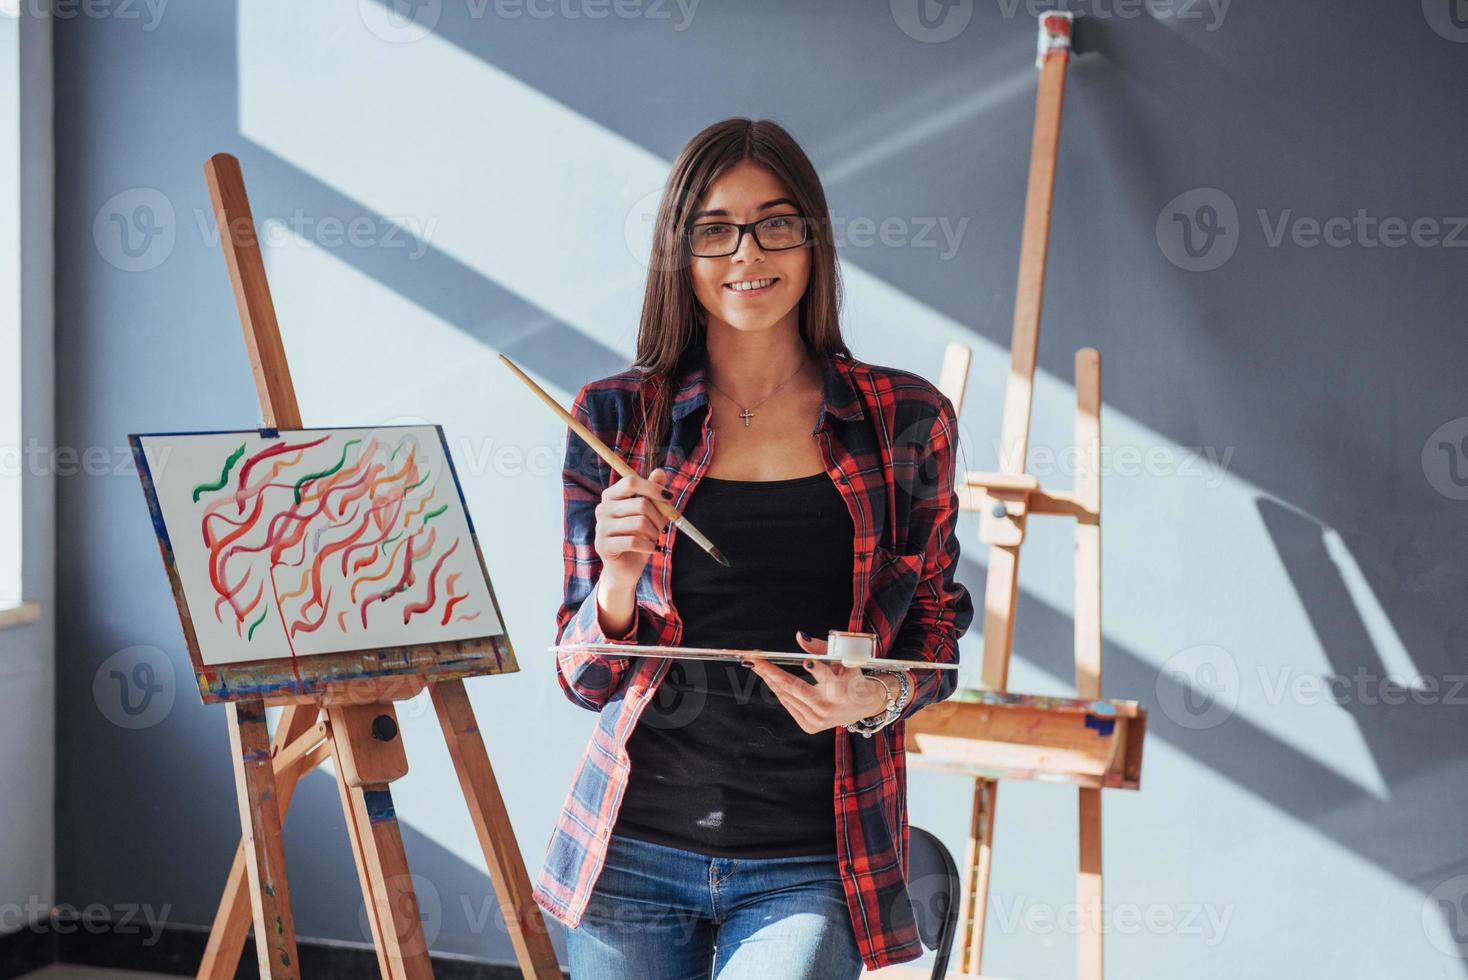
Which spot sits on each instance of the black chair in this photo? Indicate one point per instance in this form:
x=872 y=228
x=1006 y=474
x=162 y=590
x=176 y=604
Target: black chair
x=933 y=884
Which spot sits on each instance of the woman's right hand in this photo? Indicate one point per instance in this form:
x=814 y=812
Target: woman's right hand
x=628 y=525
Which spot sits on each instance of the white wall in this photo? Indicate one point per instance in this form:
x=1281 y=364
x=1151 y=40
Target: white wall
x=27 y=651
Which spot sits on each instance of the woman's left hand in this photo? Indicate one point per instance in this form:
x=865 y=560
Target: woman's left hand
x=839 y=696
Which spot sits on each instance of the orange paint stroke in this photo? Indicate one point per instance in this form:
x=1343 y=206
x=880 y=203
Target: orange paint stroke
x=385 y=572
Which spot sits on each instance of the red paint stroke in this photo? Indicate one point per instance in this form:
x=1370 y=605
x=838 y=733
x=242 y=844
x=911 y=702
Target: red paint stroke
x=448 y=586
x=279 y=539
x=225 y=597
x=413 y=609
x=396 y=501
x=316 y=544
x=236 y=496
x=317 y=509
x=295 y=661
x=216 y=568
x=325 y=487
x=366 y=484
x=308 y=626
x=448 y=608
x=273 y=451
x=325 y=553
x=404 y=580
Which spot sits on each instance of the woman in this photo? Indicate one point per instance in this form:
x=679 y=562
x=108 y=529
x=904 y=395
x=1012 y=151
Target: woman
x=749 y=820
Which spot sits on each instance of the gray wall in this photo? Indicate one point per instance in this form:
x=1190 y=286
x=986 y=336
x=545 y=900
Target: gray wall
x=1284 y=416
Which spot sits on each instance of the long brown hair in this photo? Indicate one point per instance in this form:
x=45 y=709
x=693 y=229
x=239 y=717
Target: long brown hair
x=673 y=321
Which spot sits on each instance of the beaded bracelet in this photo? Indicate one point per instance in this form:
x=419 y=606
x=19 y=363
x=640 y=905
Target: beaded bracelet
x=894 y=707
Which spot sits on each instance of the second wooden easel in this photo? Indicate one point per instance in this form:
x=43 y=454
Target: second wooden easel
x=987 y=733
x=352 y=722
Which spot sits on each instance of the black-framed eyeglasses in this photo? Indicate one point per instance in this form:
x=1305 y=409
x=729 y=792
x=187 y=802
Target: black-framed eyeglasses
x=711 y=239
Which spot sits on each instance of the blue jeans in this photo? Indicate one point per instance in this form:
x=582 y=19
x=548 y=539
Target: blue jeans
x=661 y=913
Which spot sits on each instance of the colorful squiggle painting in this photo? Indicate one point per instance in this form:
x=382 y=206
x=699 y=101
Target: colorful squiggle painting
x=317 y=541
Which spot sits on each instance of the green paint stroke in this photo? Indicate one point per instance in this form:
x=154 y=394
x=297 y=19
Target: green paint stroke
x=326 y=472
x=434 y=513
x=234 y=458
x=251 y=635
x=390 y=541
x=418 y=484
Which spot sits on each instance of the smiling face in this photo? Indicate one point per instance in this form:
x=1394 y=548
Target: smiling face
x=749 y=192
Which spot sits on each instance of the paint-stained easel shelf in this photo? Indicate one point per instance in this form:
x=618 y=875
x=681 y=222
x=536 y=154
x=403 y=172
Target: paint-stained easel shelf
x=366 y=668
x=1003 y=735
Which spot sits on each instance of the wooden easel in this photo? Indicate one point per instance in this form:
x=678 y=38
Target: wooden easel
x=986 y=733
x=354 y=723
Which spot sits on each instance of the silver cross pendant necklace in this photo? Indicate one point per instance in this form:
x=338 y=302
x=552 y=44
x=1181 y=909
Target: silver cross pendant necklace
x=748 y=413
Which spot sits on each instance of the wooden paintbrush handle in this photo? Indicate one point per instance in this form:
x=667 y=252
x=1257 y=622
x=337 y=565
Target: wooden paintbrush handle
x=602 y=449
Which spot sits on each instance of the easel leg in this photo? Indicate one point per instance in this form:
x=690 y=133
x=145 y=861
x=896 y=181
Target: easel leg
x=1001 y=594
x=232 y=921
x=364 y=766
x=532 y=944
x=966 y=903
x=1088 y=888
x=978 y=861
x=275 y=931
x=359 y=858
x=1089 y=959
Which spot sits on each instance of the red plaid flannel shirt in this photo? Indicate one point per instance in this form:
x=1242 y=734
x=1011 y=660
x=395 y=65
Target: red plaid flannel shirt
x=889 y=440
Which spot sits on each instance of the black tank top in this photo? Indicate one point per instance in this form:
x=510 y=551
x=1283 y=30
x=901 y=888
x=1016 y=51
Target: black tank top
x=718 y=765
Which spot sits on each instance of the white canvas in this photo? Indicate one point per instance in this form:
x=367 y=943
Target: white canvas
x=386 y=489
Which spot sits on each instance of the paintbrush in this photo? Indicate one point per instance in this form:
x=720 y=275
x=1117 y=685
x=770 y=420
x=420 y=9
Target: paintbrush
x=666 y=509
